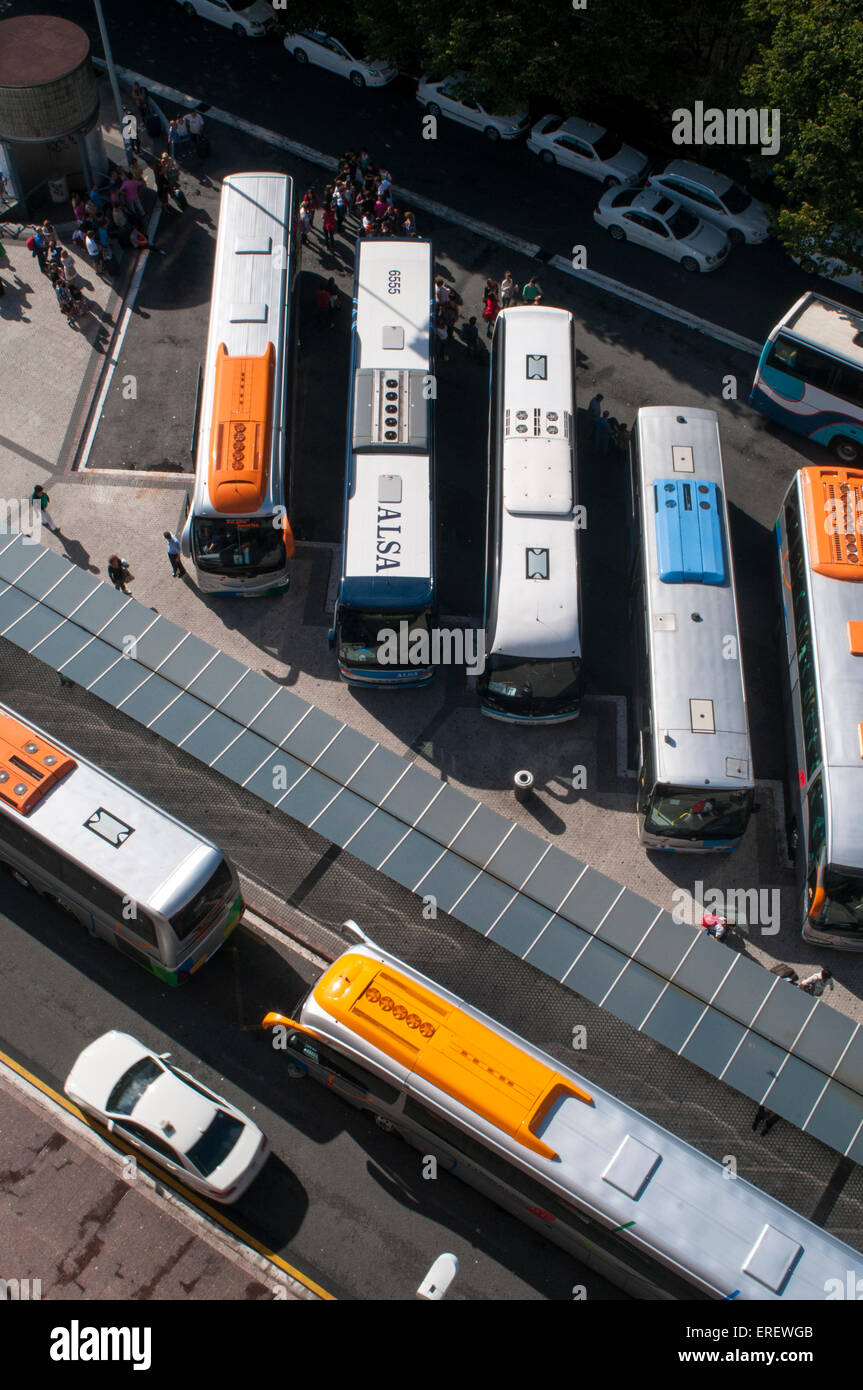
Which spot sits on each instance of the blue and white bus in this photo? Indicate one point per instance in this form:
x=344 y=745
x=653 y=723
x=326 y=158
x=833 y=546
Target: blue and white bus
x=810 y=375
x=388 y=561
x=695 y=776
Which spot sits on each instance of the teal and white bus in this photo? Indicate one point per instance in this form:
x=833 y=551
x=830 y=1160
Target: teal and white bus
x=810 y=375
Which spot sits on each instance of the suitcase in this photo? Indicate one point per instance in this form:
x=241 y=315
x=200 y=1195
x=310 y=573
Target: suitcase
x=204 y=148
x=179 y=198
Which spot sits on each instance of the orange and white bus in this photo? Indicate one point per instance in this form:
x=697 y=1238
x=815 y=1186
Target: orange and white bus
x=237 y=534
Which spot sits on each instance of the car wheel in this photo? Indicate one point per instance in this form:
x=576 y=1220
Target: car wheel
x=611 y=182
x=546 y=157
x=301 y=55
x=491 y=133
x=383 y=1123
x=617 y=233
x=735 y=236
x=238 y=31
x=690 y=263
x=846 y=450
x=358 y=79
x=433 y=109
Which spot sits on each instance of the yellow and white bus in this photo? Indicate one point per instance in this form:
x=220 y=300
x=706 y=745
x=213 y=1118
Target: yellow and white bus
x=237 y=534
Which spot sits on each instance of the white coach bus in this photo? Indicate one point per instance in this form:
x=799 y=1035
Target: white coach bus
x=532 y=611
x=237 y=533
x=388 y=559
x=695 y=777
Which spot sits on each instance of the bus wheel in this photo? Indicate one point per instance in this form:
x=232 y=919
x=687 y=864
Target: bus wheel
x=846 y=450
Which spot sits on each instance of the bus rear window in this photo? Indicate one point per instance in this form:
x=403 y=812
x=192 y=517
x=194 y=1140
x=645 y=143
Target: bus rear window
x=213 y=895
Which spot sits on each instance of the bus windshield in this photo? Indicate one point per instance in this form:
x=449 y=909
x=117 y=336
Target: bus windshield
x=548 y=685
x=213 y=895
x=844 y=905
x=685 y=814
x=358 y=643
x=222 y=545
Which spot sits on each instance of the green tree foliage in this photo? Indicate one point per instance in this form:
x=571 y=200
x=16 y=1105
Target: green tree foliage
x=658 y=54
x=810 y=68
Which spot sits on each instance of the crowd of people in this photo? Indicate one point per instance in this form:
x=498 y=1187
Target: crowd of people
x=359 y=202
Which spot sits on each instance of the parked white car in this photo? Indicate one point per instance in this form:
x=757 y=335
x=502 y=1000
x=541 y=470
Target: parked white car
x=590 y=149
x=172 y=1118
x=246 y=18
x=439 y=100
x=715 y=198
x=314 y=46
x=647 y=218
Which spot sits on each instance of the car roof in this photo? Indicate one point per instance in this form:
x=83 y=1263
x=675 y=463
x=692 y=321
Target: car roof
x=708 y=178
x=586 y=130
x=172 y=1100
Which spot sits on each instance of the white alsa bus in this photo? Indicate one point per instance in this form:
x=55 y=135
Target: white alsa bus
x=129 y=872
x=695 y=776
x=388 y=559
x=532 y=618
x=819 y=533
x=237 y=534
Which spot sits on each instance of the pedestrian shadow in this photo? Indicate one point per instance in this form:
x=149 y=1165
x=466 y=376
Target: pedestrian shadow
x=76 y=553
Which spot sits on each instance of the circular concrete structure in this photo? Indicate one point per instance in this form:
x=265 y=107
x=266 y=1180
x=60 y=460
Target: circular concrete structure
x=48 y=88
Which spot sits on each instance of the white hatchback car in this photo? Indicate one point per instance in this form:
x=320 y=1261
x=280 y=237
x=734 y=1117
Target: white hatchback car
x=313 y=46
x=588 y=148
x=647 y=218
x=245 y=18
x=172 y=1118
x=439 y=100
x=714 y=197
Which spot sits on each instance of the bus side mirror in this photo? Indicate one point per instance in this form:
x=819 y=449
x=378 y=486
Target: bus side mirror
x=819 y=893
x=331 y=638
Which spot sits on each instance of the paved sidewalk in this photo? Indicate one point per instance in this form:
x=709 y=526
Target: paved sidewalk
x=73 y=1221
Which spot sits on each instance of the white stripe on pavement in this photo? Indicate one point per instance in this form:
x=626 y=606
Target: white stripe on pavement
x=469 y=224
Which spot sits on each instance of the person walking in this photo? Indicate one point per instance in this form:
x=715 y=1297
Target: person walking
x=305 y=224
x=532 y=292
x=64 y=296
x=118 y=573
x=817 y=983
x=41 y=499
x=490 y=311
x=69 y=269
x=602 y=434
x=441 y=290
x=94 y=250
x=174 y=554
x=195 y=128
x=39 y=249
x=409 y=225
x=339 y=207
x=594 y=413
x=330 y=228
x=508 y=290
x=131 y=190
x=470 y=336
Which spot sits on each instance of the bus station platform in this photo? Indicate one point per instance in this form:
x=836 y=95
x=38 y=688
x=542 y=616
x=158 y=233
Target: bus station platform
x=707 y=1005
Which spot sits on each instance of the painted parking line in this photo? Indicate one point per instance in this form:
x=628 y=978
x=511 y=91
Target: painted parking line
x=528 y=249
x=163 y=1178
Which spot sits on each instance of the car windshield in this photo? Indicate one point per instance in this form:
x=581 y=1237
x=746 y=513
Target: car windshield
x=682 y=224
x=607 y=146
x=547 y=685
x=216 y=893
x=624 y=199
x=844 y=905
x=214 y=1145
x=358 y=645
x=247 y=547
x=684 y=814
x=240 y=5
x=132 y=1085
x=736 y=199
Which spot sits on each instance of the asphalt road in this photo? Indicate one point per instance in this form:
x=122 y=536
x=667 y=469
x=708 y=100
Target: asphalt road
x=502 y=184
x=343 y=1202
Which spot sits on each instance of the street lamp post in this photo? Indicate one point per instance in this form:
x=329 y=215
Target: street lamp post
x=112 y=72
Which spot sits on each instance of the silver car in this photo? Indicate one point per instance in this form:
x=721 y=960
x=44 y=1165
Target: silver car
x=714 y=197
x=588 y=148
x=439 y=99
x=647 y=218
